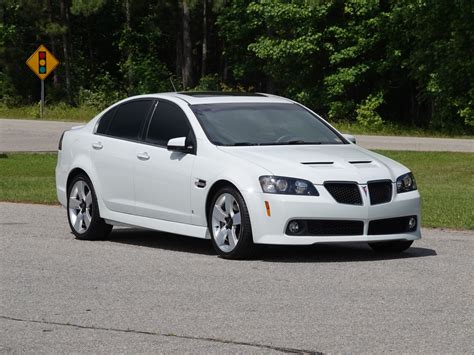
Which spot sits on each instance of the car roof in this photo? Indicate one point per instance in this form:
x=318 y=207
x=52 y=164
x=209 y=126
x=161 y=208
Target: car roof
x=211 y=97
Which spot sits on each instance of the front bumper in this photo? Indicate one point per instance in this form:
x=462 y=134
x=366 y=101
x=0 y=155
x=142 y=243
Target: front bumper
x=284 y=208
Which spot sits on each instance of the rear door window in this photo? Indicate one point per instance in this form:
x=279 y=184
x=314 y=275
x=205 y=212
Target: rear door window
x=129 y=119
x=105 y=120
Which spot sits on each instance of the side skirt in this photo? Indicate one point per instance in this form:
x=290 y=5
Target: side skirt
x=123 y=219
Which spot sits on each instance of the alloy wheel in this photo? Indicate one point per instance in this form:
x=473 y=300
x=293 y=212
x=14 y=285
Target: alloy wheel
x=226 y=222
x=80 y=206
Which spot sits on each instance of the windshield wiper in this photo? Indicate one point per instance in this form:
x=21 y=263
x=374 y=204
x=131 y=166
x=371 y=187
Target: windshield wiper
x=293 y=142
x=299 y=141
x=242 y=144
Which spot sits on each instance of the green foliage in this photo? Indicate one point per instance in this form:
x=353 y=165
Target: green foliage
x=86 y=7
x=103 y=93
x=210 y=82
x=334 y=56
x=466 y=110
x=147 y=75
x=367 y=115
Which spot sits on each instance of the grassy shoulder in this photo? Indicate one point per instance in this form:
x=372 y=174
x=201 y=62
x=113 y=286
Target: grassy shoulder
x=28 y=178
x=445 y=180
x=63 y=112
x=59 y=112
x=446 y=184
x=390 y=129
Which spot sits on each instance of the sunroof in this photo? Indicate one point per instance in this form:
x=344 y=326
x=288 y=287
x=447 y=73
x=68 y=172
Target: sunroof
x=217 y=93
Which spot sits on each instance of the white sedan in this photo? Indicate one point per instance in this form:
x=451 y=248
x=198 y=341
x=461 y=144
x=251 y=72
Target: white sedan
x=239 y=169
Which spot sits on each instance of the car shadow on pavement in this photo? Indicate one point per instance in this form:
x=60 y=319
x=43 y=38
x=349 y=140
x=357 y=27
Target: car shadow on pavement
x=347 y=252
x=161 y=240
x=337 y=252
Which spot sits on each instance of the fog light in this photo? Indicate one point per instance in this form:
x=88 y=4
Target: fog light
x=294 y=227
x=412 y=223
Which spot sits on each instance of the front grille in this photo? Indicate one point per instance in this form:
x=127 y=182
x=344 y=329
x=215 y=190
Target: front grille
x=380 y=192
x=392 y=226
x=318 y=227
x=344 y=192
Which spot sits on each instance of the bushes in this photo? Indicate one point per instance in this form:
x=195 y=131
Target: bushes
x=367 y=115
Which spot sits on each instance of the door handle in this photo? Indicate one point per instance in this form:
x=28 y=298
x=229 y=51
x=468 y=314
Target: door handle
x=97 y=146
x=143 y=156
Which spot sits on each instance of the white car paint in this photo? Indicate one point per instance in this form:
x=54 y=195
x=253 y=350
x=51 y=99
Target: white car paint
x=160 y=192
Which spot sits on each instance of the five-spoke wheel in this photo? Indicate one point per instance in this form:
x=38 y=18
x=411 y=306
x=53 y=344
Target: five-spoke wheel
x=226 y=222
x=83 y=211
x=80 y=206
x=229 y=224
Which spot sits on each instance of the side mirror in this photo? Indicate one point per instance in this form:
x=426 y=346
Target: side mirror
x=179 y=145
x=350 y=138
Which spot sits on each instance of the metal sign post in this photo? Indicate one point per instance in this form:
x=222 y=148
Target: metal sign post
x=42 y=100
x=42 y=63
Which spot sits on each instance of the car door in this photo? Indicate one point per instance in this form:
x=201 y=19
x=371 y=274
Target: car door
x=162 y=177
x=113 y=153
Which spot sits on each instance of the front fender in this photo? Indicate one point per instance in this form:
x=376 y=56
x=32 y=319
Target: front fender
x=242 y=174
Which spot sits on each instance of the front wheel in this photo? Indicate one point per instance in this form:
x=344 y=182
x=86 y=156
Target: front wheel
x=396 y=246
x=229 y=225
x=83 y=210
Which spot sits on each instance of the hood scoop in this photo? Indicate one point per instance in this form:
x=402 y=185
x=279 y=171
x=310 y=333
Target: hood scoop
x=317 y=162
x=361 y=162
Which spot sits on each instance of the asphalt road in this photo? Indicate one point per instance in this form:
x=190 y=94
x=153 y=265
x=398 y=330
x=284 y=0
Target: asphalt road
x=42 y=136
x=149 y=292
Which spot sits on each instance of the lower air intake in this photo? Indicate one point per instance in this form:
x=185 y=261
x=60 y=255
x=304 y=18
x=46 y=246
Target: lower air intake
x=322 y=227
x=396 y=225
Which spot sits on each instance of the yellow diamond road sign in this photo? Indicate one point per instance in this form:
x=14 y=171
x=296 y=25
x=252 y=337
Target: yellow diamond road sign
x=42 y=62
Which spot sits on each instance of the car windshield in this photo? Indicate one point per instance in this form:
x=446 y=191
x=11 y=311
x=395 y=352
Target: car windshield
x=242 y=124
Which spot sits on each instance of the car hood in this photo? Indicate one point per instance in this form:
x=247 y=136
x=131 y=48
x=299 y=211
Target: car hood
x=320 y=163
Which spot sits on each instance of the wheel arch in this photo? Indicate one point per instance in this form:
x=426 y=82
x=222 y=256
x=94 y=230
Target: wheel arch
x=72 y=174
x=219 y=184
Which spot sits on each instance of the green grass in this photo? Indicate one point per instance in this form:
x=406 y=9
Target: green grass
x=28 y=178
x=445 y=180
x=60 y=112
x=63 y=112
x=390 y=129
x=446 y=184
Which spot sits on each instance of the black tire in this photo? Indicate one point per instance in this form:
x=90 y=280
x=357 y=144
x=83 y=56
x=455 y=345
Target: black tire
x=97 y=229
x=396 y=246
x=245 y=247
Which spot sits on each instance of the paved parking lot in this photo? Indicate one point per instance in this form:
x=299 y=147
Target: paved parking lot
x=149 y=292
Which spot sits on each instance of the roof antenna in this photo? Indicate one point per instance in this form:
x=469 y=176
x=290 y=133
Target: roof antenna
x=172 y=84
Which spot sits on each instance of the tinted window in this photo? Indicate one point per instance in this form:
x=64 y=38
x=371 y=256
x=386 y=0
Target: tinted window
x=168 y=121
x=263 y=124
x=105 y=120
x=129 y=119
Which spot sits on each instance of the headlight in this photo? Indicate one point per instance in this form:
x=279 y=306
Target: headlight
x=406 y=183
x=287 y=186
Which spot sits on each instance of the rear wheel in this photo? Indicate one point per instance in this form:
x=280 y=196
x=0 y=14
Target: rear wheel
x=396 y=246
x=83 y=210
x=229 y=225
